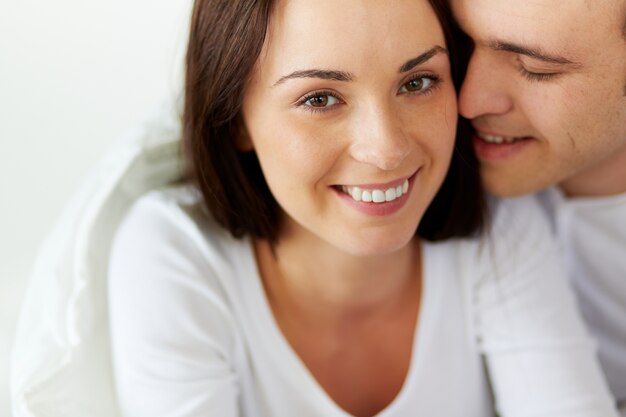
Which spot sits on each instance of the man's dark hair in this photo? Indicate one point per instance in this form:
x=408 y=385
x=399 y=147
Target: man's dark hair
x=225 y=42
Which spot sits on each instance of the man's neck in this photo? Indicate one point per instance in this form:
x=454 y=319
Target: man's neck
x=607 y=178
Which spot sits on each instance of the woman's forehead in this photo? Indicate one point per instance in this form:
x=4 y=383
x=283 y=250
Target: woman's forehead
x=345 y=33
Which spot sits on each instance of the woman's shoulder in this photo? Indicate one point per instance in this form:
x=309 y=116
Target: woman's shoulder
x=169 y=237
x=516 y=238
x=512 y=224
x=517 y=247
x=523 y=214
x=175 y=214
x=173 y=292
x=519 y=229
x=176 y=204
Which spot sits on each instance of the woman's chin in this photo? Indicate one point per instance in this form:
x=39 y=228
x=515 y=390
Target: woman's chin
x=377 y=245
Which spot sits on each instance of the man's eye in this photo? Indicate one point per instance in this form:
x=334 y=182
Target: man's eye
x=320 y=101
x=419 y=84
x=536 y=76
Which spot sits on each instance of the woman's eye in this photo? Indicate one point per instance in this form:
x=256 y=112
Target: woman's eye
x=416 y=85
x=320 y=101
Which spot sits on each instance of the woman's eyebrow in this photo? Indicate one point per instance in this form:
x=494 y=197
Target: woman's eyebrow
x=422 y=58
x=347 y=76
x=317 y=73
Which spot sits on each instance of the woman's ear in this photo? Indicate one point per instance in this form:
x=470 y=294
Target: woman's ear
x=242 y=139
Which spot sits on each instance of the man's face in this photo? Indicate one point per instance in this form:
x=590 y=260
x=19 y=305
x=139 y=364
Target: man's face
x=546 y=92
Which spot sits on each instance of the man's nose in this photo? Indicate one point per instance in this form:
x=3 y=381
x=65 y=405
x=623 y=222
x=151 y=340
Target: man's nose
x=380 y=140
x=485 y=90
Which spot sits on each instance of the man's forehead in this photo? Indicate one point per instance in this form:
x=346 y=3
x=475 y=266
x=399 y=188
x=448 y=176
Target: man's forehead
x=517 y=13
x=553 y=24
x=515 y=9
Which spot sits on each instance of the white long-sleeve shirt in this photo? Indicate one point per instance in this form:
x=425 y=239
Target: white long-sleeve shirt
x=193 y=335
x=592 y=232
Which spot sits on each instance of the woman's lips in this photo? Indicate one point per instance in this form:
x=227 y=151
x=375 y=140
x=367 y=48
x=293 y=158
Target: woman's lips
x=377 y=194
x=378 y=199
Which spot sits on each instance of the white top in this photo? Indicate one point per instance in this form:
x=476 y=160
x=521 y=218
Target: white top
x=593 y=234
x=193 y=335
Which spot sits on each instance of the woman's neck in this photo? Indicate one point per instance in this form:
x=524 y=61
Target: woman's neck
x=311 y=276
x=339 y=311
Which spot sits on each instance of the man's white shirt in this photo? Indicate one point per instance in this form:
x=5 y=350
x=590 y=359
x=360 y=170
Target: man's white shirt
x=592 y=232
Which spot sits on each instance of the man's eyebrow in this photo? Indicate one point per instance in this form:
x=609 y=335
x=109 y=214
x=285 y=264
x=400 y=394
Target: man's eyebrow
x=535 y=53
x=317 y=73
x=420 y=59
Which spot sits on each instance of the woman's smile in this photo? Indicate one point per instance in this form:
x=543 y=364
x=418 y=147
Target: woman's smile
x=380 y=199
x=343 y=162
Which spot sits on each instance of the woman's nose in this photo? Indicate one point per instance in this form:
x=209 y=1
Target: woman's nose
x=380 y=140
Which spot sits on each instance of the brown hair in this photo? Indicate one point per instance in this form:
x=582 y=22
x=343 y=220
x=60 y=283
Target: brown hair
x=225 y=41
x=624 y=26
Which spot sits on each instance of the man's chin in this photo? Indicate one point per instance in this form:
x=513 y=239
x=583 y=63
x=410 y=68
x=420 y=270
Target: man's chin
x=507 y=187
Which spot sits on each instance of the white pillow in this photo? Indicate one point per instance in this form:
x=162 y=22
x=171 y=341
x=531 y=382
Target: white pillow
x=61 y=363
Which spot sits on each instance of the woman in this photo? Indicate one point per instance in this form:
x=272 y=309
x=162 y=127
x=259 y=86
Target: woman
x=321 y=138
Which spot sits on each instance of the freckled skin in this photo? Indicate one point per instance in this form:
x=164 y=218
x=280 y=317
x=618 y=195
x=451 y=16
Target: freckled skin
x=375 y=135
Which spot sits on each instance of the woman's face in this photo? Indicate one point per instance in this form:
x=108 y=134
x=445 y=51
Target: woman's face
x=351 y=103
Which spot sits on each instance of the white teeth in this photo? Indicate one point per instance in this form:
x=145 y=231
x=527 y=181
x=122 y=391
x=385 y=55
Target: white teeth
x=375 y=195
x=498 y=139
x=378 y=196
x=367 y=196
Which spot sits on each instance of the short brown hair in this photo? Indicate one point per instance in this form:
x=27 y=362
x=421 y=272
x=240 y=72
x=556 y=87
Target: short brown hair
x=225 y=41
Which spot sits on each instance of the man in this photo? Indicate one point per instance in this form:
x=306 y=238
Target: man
x=546 y=92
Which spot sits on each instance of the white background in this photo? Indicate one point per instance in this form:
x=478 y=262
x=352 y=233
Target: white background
x=74 y=76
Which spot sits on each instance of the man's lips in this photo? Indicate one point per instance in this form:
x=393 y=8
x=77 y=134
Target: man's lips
x=493 y=147
x=499 y=139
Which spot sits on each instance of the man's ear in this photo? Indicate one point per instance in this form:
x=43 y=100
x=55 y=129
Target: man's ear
x=242 y=139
